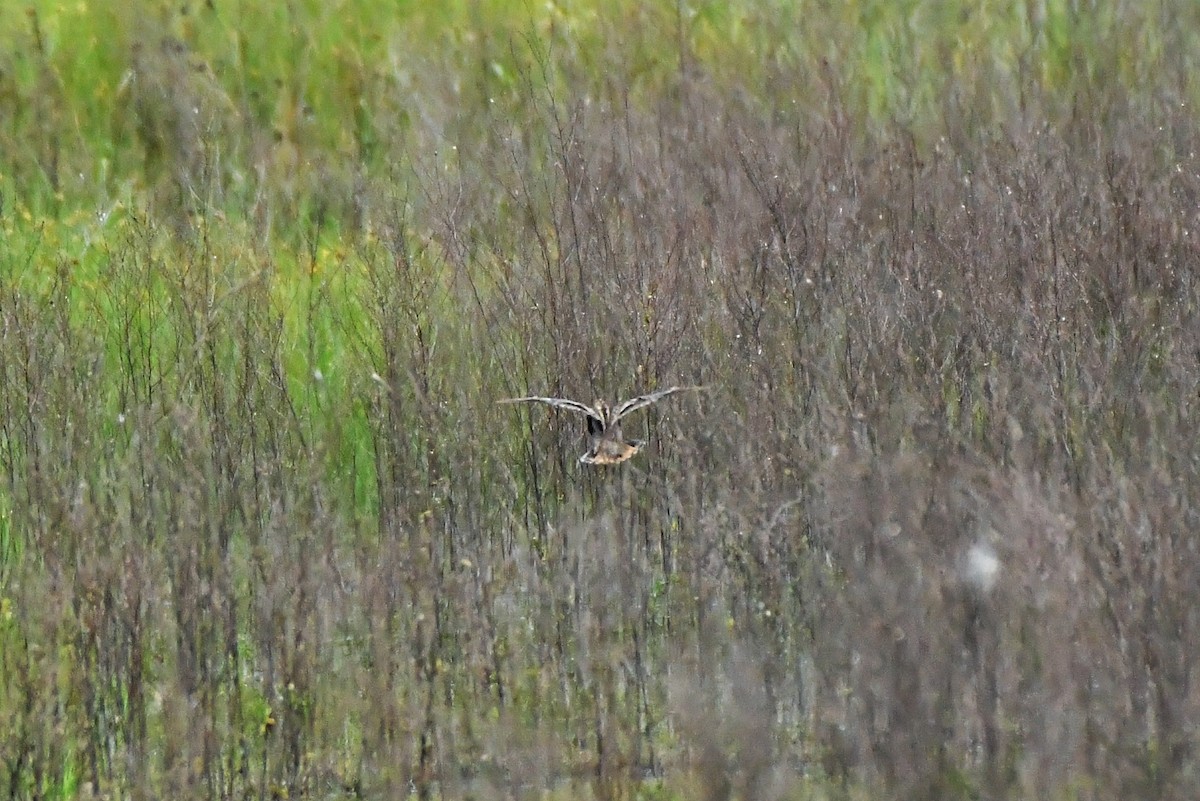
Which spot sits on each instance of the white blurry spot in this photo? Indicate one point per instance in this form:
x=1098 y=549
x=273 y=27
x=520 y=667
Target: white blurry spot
x=121 y=418
x=318 y=375
x=982 y=567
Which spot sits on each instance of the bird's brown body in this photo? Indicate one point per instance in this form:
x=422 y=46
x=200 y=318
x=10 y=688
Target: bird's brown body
x=606 y=445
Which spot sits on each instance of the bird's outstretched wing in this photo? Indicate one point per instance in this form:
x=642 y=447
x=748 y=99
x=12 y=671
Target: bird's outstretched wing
x=560 y=403
x=641 y=401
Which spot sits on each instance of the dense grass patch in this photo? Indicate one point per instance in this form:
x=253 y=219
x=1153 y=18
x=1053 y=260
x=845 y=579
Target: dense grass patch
x=928 y=532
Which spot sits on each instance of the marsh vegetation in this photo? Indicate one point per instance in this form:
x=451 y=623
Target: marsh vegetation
x=930 y=531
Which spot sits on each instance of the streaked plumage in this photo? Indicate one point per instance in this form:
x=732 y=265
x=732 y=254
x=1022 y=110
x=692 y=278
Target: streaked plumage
x=606 y=445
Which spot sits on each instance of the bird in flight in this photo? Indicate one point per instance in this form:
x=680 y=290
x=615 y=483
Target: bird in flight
x=606 y=445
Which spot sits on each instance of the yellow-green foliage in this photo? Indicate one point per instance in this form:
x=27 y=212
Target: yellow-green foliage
x=84 y=86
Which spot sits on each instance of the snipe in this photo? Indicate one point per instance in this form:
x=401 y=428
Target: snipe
x=606 y=445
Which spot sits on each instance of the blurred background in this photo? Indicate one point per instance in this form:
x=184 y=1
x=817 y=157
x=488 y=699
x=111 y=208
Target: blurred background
x=929 y=532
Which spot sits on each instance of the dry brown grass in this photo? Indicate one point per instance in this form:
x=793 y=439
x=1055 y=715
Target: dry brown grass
x=928 y=534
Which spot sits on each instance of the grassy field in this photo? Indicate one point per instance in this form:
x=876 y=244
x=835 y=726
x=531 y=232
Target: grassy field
x=930 y=530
